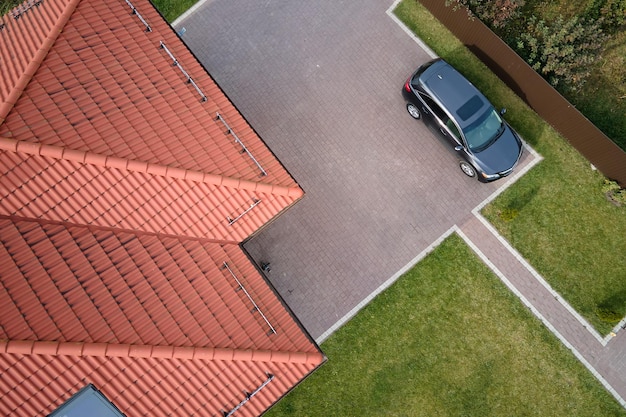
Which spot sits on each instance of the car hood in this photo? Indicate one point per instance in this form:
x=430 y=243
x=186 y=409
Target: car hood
x=502 y=155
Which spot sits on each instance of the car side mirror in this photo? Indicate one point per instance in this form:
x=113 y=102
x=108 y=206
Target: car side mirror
x=458 y=148
x=502 y=111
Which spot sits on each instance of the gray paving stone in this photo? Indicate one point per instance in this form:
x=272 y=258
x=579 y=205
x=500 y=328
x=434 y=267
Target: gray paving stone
x=320 y=82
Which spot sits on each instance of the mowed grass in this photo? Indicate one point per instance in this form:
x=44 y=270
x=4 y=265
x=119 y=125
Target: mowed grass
x=447 y=339
x=7 y=5
x=171 y=9
x=556 y=216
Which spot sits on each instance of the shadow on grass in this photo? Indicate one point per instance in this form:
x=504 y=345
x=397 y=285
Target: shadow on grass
x=502 y=73
x=518 y=202
x=612 y=309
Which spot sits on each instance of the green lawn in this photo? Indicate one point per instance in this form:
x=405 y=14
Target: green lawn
x=171 y=9
x=556 y=216
x=448 y=339
x=7 y=5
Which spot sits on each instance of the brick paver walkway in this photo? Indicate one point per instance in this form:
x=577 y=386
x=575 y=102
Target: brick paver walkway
x=320 y=82
x=604 y=357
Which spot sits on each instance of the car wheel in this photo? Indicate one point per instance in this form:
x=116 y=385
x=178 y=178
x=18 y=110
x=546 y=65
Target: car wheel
x=467 y=169
x=413 y=111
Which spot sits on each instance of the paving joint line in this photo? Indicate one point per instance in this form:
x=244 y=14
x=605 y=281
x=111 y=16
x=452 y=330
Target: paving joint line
x=544 y=320
x=537 y=158
x=456 y=229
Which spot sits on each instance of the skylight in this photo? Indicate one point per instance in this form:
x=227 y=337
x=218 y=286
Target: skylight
x=87 y=402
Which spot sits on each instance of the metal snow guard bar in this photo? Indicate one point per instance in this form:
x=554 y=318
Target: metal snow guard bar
x=256 y=307
x=189 y=79
x=229 y=130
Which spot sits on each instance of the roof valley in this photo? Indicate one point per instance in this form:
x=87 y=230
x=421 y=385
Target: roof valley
x=40 y=221
x=124 y=200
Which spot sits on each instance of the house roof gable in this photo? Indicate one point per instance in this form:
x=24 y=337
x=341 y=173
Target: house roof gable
x=125 y=191
x=107 y=89
x=80 y=305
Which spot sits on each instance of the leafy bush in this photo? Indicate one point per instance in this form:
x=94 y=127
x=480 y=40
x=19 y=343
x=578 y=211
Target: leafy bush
x=493 y=13
x=611 y=14
x=508 y=214
x=608 y=315
x=563 y=51
x=614 y=191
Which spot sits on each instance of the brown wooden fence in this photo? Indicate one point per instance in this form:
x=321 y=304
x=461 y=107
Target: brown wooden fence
x=534 y=90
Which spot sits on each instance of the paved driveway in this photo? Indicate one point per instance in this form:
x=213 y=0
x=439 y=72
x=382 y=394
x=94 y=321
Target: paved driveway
x=320 y=81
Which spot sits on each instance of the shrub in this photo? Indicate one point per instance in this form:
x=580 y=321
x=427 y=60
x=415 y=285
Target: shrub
x=508 y=214
x=611 y=14
x=564 y=51
x=494 y=13
x=614 y=192
x=608 y=315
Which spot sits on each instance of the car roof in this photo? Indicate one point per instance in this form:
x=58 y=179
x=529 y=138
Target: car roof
x=454 y=92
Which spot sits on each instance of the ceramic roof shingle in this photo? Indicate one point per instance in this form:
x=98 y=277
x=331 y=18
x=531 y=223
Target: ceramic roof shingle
x=123 y=201
x=107 y=89
x=72 y=292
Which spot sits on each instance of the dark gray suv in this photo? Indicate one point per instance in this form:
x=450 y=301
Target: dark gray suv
x=452 y=107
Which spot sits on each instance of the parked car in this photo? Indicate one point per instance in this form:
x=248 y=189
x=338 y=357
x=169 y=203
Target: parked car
x=450 y=105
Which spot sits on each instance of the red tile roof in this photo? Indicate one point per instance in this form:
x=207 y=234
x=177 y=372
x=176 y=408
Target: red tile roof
x=123 y=201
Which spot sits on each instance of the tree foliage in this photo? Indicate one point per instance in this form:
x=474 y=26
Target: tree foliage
x=563 y=51
x=494 y=13
x=611 y=14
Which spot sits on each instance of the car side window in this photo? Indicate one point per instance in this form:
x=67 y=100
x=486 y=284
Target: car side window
x=443 y=116
x=453 y=129
x=434 y=107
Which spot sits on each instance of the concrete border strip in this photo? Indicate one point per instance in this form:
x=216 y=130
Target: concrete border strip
x=546 y=323
x=517 y=175
x=188 y=12
x=518 y=256
x=408 y=31
x=543 y=282
x=421 y=255
x=384 y=285
x=537 y=158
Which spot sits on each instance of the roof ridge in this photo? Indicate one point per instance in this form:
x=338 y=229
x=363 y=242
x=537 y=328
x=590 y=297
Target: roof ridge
x=36 y=60
x=83 y=157
x=30 y=347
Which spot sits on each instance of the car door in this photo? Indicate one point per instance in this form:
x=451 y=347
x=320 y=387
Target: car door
x=439 y=121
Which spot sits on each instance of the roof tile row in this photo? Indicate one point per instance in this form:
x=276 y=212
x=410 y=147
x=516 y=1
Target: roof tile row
x=122 y=288
x=122 y=198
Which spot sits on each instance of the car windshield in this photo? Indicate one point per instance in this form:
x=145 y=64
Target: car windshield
x=484 y=131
